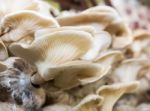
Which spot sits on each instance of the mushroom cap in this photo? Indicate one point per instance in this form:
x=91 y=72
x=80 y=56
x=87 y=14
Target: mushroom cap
x=101 y=18
x=108 y=58
x=18 y=25
x=111 y=93
x=102 y=39
x=128 y=70
x=78 y=73
x=50 y=50
x=89 y=103
x=10 y=6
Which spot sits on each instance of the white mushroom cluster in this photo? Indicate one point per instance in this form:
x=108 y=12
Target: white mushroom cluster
x=81 y=62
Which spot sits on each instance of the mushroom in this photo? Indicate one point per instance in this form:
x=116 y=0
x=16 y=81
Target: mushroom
x=10 y=6
x=111 y=93
x=21 y=24
x=3 y=51
x=44 y=52
x=128 y=70
x=109 y=58
x=141 y=44
x=16 y=86
x=89 y=103
x=101 y=18
x=102 y=39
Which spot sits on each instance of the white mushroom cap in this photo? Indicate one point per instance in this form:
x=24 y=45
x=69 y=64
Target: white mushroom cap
x=18 y=25
x=112 y=93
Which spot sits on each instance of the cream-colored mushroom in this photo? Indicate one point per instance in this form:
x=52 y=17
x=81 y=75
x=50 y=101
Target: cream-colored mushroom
x=102 y=39
x=51 y=51
x=10 y=6
x=101 y=18
x=111 y=93
x=108 y=58
x=18 y=25
x=127 y=71
x=77 y=73
x=140 y=46
x=3 y=51
x=89 y=103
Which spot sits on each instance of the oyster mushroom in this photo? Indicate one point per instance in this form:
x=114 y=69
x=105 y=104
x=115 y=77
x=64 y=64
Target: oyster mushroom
x=10 y=107
x=102 y=39
x=128 y=70
x=101 y=18
x=44 y=52
x=141 y=44
x=10 y=6
x=109 y=58
x=18 y=25
x=3 y=51
x=89 y=103
x=16 y=86
x=111 y=93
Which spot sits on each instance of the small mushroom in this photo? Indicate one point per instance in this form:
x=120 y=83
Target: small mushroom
x=109 y=58
x=111 y=93
x=128 y=70
x=18 y=25
x=101 y=18
x=89 y=103
x=10 y=6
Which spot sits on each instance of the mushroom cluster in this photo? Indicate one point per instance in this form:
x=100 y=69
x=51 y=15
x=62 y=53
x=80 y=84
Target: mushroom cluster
x=81 y=62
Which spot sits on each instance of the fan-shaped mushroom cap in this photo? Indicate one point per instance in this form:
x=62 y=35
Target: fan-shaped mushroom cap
x=112 y=93
x=77 y=73
x=140 y=46
x=3 y=51
x=101 y=18
x=128 y=69
x=10 y=6
x=54 y=49
x=47 y=31
x=89 y=103
x=107 y=58
x=18 y=25
x=102 y=40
